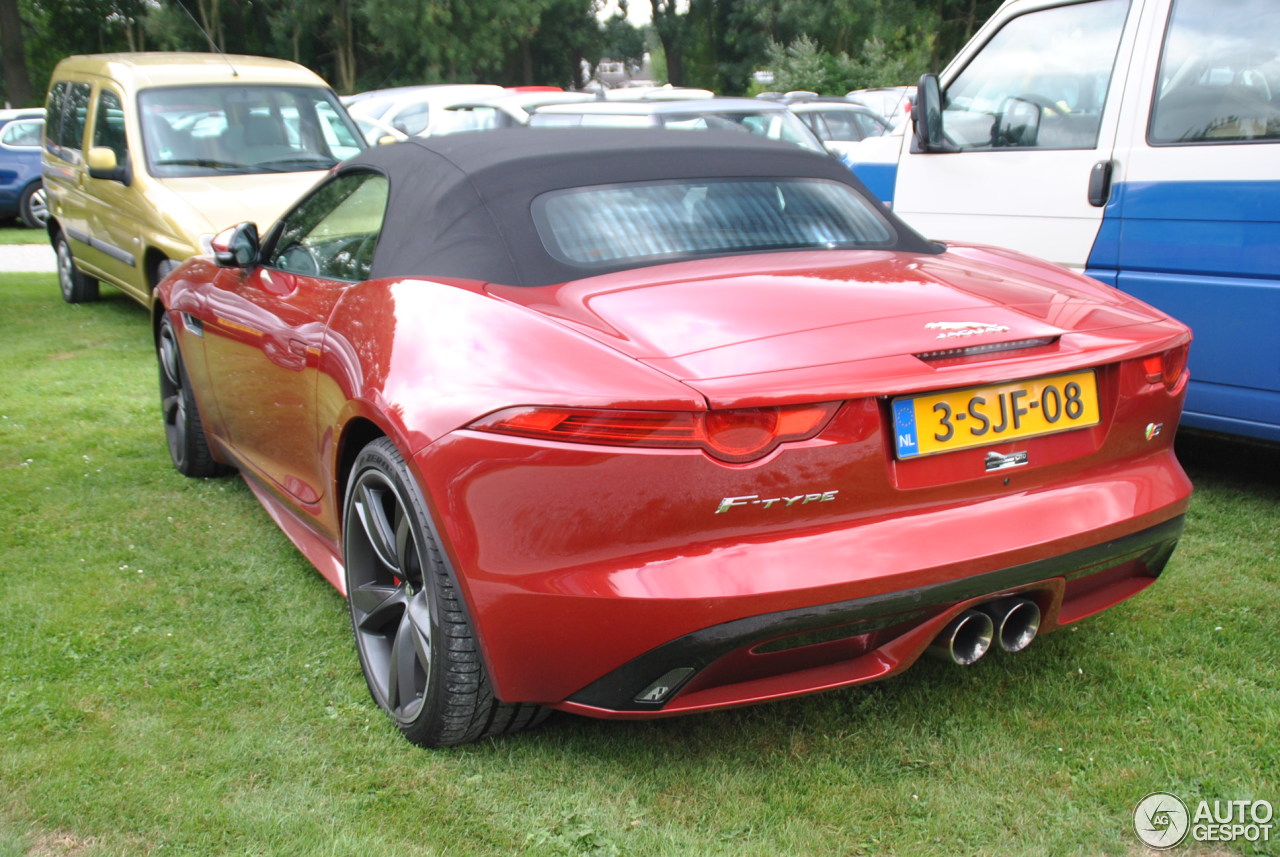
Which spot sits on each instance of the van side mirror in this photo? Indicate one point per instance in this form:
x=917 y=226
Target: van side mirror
x=926 y=116
x=237 y=247
x=103 y=165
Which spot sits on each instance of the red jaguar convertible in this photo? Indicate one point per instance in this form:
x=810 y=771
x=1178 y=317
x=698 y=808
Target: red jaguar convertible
x=635 y=424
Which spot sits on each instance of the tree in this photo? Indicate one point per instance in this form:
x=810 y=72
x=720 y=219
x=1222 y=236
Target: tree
x=13 y=55
x=799 y=66
x=669 y=24
x=621 y=40
x=567 y=34
x=53 y=29
x=371 y=44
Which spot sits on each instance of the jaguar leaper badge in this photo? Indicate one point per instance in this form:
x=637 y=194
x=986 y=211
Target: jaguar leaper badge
x=952 y=329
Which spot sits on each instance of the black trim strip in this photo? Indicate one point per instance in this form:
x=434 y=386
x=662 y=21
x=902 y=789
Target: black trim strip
x=617 y=690
x=102 y=246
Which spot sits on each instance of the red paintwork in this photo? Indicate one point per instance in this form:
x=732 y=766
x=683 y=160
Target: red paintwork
x=577 y=558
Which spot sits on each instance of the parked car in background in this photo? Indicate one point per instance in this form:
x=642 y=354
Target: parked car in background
x=412 y=110
x=1137 y=141
x=762 y=118
x=891 y=102
x=147 y=155
x=633 y=424
x=666 y=92
x=508 y=110
x=21 y=190
x=840 y=124
x=376 y=131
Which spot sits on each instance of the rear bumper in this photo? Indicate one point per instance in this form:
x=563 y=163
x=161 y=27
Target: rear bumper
x=794 y=652
x=591 y=573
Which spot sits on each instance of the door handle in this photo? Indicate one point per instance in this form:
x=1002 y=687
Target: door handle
x=1100 y=183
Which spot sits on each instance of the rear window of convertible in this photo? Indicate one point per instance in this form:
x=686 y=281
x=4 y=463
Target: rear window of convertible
x=607 y=225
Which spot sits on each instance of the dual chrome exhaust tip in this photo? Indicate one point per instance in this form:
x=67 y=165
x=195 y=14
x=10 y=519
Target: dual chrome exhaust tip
x=1012 y=623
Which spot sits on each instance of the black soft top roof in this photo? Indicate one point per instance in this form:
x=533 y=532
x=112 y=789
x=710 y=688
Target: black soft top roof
x=460 y=204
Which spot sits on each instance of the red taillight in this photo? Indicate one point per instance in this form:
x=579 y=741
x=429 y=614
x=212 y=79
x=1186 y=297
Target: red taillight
x=1166 y=368
x=744 y=434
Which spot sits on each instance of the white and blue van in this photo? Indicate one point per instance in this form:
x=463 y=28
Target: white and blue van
x=1138 y=141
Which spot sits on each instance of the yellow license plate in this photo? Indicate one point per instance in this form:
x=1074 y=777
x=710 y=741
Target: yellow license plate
x=980 y=416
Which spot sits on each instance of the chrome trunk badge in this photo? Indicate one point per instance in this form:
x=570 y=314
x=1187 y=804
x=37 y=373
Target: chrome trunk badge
x=996 y=461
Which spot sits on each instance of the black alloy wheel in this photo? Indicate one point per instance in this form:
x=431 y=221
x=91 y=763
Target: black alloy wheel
x=183 y=429
x=417 y=648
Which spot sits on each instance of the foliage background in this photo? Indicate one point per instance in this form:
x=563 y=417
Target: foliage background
x=825 y=45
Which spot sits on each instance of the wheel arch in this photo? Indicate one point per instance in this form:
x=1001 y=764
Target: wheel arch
x=151 y=261
x=356 y=435
x=157 y=315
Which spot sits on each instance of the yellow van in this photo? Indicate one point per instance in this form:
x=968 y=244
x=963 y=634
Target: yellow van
x=148 y=155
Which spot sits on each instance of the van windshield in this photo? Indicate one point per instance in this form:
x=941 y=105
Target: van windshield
x=218 y=130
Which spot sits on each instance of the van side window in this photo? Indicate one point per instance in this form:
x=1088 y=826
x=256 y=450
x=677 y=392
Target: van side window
x=74 y=115
x=1219 y=79
x=1040 y=82
x=53 y=111
x=108 y=126
x=67 y=110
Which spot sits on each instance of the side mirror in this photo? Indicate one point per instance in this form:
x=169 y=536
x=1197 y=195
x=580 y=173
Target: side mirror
x=103 y=165
x=926 y=116
x=236 y=247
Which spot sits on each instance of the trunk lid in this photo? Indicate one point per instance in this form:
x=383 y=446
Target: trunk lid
x=798 y=326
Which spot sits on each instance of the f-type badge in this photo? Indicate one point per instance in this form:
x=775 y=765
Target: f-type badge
x=996 y=461
x=769 y=502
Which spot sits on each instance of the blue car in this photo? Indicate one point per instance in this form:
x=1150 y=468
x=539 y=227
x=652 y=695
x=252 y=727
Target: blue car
x=21 y=192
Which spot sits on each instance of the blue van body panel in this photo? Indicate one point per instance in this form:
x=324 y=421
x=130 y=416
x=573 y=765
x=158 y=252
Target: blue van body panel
x=1207 y=253
x=1203 y=227
x=879 y=178
x=1216 y=400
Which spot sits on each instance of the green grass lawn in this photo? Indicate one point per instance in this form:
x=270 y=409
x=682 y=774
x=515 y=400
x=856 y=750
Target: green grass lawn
x=10 y=234
x=176 y=679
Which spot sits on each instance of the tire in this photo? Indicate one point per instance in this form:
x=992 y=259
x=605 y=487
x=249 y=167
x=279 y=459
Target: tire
x=416 y=644
x=33 y=206
x=161 y=270
x=76 y=287
x=183 y=429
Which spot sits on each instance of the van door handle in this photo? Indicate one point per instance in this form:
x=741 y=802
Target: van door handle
x=1100 y=183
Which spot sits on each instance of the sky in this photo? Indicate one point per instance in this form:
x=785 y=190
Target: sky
x=638 y=11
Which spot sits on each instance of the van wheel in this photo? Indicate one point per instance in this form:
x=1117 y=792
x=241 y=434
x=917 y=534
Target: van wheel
x=161 y=270
x=76 y=287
